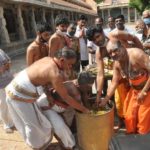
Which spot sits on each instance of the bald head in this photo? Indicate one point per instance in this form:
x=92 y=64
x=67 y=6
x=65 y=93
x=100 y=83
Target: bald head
x=146 y=14
x=139 y=21
x=140 y=26
x=99 y=21
x=146 y=17
x=115 y=49
x=65 y=53
x=113 y=44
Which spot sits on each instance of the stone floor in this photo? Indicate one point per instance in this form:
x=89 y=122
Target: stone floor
x=15 y=142
x=18 y=63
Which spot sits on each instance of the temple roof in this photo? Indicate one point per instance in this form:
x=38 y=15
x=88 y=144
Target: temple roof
x=61 y=5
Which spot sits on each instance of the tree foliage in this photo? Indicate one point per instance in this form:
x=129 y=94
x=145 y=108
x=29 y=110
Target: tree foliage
x=140 y=5
x=98 y=1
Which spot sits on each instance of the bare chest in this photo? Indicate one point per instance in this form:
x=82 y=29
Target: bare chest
x=131 y=70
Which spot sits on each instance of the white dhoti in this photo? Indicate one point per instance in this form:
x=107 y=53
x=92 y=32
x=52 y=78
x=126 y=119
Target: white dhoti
x=34 y=127
x=60 y=128
x=4 y=112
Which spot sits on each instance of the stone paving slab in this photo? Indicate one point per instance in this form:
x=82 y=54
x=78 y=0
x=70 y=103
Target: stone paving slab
x=15 y=142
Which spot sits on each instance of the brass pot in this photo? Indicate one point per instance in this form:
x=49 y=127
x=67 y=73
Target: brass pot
x=94 y=131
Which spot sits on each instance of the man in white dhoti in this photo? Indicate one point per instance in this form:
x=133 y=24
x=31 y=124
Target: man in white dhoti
x=5 y=77
x=22 y=95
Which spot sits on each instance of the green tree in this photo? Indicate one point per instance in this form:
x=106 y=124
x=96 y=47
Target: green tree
x=98 y=1
x=140 y=5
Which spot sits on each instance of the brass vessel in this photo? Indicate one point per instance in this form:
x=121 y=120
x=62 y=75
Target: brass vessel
x=94 y=131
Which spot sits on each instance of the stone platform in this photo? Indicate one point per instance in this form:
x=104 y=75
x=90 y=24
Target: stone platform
x=15 y=142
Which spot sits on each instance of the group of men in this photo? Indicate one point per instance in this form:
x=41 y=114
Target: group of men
x=130 y=72
x=40 y=93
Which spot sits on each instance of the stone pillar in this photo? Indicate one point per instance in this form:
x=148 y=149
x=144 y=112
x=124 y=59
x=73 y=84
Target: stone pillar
x=63 y=13
x=43 y=15
x=121 y=10
x=4 y=36
x=109 y=12
x=76 y=14
x=73 y=15
x=22 y=32
x=128 y=14
x=102 y=13
x=92 y=20
x=68 y=15
x=89 y=20
x=52 y=20
x=33 y=22
x=136 y=17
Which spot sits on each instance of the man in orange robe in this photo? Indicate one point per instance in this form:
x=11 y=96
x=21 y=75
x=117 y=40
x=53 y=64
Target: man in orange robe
x=134 y=65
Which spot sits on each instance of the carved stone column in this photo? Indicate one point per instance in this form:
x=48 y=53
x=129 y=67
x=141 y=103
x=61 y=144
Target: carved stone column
x=43 y=15
x=128 y=15
x=33 y=22
x=136 y=17
x=52 y=20
x=4 y=36
x=109 y=12
x=22 y=32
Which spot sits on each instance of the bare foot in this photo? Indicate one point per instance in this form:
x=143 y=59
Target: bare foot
x=9 y=130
